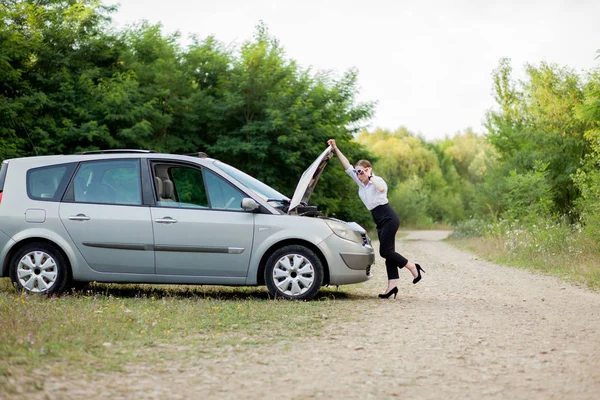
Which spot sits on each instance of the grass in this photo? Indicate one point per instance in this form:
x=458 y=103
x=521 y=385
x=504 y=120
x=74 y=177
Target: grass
x=574 y=259
x=109 y=326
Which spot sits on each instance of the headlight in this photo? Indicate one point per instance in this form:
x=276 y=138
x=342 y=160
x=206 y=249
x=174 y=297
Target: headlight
x=344 y=231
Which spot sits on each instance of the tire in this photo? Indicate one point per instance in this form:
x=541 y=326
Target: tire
x=294 y=272
x=39 y=268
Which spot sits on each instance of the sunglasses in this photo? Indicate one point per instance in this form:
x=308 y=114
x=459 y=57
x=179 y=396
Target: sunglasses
x=359 y=171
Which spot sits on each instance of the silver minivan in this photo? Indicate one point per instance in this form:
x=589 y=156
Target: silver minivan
x=134 y=216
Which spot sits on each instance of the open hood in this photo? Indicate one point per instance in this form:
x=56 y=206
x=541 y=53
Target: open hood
x=309 y=179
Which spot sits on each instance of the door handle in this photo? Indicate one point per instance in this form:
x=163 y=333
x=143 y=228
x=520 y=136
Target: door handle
x=79 y=217
x=165 y=220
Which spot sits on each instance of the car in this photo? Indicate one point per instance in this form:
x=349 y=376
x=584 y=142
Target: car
x=138 y=216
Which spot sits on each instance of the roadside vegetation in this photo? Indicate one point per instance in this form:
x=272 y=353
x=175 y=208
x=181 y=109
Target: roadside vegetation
x=539 y=204
x=106 y=327
x=560 y=250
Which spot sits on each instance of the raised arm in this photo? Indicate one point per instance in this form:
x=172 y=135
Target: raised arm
x=378 y=182
x=339 y=154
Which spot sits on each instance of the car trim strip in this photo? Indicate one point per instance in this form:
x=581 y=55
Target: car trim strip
x=200 y=249
x=183 y=249
x=120 y=246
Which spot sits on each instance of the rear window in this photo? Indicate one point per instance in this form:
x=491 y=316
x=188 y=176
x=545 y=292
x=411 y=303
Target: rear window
x=48 y=183
x=3 y=170
x=108 y=182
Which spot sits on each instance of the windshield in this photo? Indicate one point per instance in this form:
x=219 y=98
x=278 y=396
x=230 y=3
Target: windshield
x=3 y=168
x=266 y=192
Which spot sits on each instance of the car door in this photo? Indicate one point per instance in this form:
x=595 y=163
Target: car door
x=200 y=228
x=103 y=213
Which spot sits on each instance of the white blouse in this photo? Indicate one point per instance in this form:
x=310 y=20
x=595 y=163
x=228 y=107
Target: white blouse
x=368 y=193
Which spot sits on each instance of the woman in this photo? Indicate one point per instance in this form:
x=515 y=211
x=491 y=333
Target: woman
x=373 y=193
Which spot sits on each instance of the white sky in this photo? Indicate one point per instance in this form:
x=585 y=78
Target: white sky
x=427 y=63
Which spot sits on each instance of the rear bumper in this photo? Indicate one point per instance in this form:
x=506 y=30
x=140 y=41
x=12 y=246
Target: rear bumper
x=5 y=244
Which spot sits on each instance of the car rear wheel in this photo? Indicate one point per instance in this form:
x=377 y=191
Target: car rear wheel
x=294 y=272
x=39 y=268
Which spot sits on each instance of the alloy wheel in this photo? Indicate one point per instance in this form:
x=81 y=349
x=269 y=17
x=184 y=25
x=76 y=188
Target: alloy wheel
x=293 y=274
x=37 y=272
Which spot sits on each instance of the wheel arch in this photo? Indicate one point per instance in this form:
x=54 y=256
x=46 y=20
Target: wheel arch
x=260 y=274
x=19 y=245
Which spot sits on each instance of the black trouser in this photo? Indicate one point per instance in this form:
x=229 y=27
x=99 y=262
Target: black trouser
x=387 y=225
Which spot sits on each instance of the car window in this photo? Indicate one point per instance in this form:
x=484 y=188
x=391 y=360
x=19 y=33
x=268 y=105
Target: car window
x=44 y=183
x=222 y=195
x=185 y=188
x=108 y=182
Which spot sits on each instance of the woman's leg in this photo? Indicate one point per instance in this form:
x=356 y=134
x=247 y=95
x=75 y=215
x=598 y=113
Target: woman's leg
x=387 y=249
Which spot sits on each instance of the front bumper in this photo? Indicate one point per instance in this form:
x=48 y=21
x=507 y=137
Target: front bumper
x=348 y=262
x=358 y=260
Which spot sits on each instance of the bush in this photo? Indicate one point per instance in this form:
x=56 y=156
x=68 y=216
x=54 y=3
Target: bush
x=529 y=194
x=587 y=180
x=542 y=237
x=470 y=228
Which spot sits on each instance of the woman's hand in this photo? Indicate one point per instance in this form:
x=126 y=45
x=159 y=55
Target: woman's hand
x=338 y=153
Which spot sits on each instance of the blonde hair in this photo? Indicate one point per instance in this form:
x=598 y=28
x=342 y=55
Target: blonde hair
x=364 y=164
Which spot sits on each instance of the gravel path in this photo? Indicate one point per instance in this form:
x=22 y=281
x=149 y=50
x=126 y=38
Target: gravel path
x=469 y=330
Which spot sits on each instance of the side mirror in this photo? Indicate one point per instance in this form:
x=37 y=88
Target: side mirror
x=249 y=204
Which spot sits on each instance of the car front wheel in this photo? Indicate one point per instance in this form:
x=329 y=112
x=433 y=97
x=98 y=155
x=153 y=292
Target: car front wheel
x=294 y=272
x=39 y=268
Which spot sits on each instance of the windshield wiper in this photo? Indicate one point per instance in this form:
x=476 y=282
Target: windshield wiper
x=284 y=201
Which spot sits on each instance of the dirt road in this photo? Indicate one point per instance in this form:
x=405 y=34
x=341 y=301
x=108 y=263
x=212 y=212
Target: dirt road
x=469 y=330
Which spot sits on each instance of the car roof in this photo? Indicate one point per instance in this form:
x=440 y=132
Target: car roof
x=107 y=155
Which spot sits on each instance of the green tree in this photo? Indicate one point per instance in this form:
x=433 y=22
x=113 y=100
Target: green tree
x=277 y=118
x=587 y=177
x=535 y=123
x=45 y=47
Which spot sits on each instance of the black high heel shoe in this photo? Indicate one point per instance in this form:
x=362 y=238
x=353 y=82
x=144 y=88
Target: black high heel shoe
x=418 y=278
x=394 y=291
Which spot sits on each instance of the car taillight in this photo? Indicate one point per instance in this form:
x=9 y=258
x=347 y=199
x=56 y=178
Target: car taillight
x=0 y=197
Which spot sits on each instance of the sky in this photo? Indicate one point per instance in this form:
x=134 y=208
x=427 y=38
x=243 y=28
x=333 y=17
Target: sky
x=426 y=63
